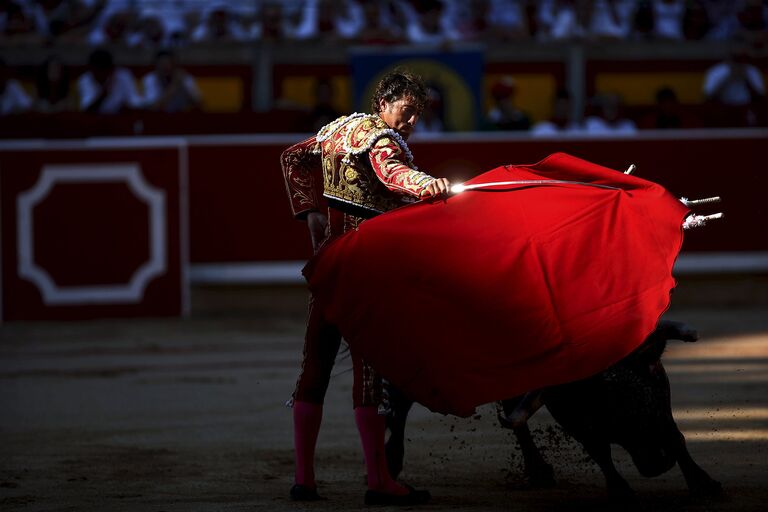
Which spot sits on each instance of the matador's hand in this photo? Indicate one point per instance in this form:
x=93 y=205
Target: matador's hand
x=439 y=187
x=318 y=225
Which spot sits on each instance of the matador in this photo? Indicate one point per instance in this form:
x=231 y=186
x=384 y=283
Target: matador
x=365 y=168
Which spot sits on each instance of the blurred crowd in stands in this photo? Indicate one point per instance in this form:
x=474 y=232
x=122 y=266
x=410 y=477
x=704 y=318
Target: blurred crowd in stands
x=733 y=90
x=735 y=86
x=103 y=88
x=163 y=23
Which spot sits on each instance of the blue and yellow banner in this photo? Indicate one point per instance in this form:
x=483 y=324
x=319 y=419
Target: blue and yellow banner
x=456 y=78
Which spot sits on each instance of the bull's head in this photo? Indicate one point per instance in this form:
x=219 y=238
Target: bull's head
x=650 y=352
x=650 y=430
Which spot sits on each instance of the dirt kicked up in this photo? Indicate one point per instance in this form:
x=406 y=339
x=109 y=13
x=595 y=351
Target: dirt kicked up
x=188 y=415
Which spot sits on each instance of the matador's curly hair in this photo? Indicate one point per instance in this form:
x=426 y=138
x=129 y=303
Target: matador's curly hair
x=397 y=84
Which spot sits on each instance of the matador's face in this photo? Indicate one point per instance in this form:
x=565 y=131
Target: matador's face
x=400 y=115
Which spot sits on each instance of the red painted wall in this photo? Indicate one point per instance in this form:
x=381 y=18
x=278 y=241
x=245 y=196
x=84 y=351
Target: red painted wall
x=92 y=232
x=96 y=233
x=240 y=211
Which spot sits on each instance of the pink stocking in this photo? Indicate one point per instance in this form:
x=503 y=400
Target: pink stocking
x=306 y=425
x=371 y=426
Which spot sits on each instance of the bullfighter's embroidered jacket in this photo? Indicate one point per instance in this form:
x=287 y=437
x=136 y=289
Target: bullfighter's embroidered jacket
x=366 y=168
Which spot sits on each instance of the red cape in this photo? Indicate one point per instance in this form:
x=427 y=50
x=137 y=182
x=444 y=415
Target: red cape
x=491 y=293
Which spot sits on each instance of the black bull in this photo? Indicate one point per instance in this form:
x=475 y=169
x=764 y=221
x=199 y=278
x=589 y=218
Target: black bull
x=628 y=404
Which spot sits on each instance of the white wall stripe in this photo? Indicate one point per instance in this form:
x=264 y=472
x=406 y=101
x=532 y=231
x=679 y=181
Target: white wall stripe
x=289 y=272
x=266 y=272
x=722 y=263
x=130 y=292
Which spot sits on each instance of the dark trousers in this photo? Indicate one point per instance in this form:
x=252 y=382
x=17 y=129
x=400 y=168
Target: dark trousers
x=321 y=345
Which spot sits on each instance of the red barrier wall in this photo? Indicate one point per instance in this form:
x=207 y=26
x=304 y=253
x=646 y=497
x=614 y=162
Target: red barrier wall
x=99 y=227
x=239 y=210
x=238 y=206
x=93 y=230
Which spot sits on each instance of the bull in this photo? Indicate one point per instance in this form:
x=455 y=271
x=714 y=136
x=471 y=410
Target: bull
x=628 y=404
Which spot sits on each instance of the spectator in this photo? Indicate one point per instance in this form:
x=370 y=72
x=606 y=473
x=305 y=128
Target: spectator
x=565 y=19
x=724 y=18
x=585 y=19
x=667 y=113
x=175 y=18
x=561 y=121
x=219 y=24
x=472 y=20
x=169 y=88
x=668 y=19
x=271 y=23
x=330 y=19
x=54 y=91
x=643 y=21
x=115 y=25
x=429 y=22
x=735 y=85
x=150 y=31
x=378 y=23
x=492 y=20
x=504 y=115
x=16 y=22
x=608 y=118
x=611 y=19
x=13 y=98
x=105 y=88
x=696 y=23
x=659 y=19
x=64 y=18
x=734 y=82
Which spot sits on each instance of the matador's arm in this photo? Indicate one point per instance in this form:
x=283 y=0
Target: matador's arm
x=391 y=166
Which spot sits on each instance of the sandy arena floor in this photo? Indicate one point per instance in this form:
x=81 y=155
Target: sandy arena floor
x=187 y=415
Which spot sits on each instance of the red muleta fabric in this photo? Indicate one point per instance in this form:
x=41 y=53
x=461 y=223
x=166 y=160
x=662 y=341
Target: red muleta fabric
x=491 y=293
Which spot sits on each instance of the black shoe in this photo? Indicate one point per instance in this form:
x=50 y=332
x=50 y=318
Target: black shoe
x=414 y=497
x=303 y=493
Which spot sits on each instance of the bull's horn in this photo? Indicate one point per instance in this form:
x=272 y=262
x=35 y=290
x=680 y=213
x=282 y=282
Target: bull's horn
x=697 y=202
x=630 y=169
x=696 y=221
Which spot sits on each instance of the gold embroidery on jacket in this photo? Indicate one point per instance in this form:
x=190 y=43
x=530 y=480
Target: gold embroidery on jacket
x=365 y=163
